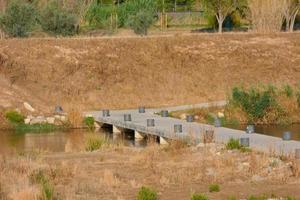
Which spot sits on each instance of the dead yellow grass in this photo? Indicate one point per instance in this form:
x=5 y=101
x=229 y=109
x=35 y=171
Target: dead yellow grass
x=110 y=174
x=129 y=72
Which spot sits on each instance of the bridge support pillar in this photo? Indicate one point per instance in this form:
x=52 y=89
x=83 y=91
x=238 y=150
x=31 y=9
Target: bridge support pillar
x=117 y=130
x=163 y=141
x=138 y=135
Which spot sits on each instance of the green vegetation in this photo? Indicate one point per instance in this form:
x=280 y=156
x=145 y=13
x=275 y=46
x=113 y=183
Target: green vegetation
x=264 y=105
x=214 y=188
x=94 y=142
x=47 y=189
x=19 y=19
x=57 y=20
x=146 y=193
x=257 y=198
x=89 y=122
x=233 y=144
x=254 y=103
x=68 y=18
x=198 y=196
x=37 y=128
x=232 y=198
x=14 y=117
x=17 y=121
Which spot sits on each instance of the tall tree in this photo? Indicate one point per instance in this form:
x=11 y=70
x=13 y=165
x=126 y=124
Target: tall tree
x=221 y=8
x=291 y=10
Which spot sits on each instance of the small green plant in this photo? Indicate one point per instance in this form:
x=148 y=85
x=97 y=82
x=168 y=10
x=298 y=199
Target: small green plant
x=47 y=189
x=14 y=117
x=89 y=122
x=288 y=91
x=146 y=193
x=232 y=198
x=290 y=198
x=198 y=196
x=214 y=188
x=233 y=144
x=257 y=198
x=94 y=142
x=18 y=19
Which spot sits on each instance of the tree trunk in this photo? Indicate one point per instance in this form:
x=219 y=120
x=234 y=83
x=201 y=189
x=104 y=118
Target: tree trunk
x=220 y=26
x=287 y=26
x=220 y=20
x=293 y=19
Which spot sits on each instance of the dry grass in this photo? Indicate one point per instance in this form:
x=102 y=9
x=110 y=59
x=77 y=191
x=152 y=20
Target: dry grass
x=266 y=15
x=75 y=118
x=114 y=174
x=92 y=72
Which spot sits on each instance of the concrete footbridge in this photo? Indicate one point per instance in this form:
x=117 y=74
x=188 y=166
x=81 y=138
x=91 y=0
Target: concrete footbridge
x=157 y=123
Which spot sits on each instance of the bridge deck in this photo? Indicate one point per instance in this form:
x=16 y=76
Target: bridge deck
x=164 y=127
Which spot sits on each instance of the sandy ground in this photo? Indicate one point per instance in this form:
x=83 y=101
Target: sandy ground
x=174 y=172
x=94 y=73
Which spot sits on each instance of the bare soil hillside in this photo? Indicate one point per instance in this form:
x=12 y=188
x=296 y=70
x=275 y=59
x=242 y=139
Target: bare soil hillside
x=93 y=73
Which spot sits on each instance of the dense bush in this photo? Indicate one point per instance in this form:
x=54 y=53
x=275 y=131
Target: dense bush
x=146 y=193
x=254 y=102
x=14 y=117
x=57 y=20
x=141 y=22
x=99 y=15
x=18 y=19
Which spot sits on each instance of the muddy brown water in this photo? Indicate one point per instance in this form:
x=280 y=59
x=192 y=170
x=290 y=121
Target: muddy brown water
x=73 y=140
x=59 y=141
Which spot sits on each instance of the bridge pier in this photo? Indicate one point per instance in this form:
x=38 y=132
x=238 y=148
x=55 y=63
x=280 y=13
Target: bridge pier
x=163 y=141
x=138 y=135
x=117 y=130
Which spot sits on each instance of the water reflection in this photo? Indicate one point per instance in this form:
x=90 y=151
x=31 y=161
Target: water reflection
x=70 y=141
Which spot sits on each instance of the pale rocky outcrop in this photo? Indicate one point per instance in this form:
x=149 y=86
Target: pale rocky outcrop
x=28 y=107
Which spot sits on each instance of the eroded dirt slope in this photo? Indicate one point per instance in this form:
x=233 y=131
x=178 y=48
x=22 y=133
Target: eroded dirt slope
x=128 y=72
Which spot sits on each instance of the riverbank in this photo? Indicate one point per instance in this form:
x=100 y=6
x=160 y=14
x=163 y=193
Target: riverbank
x=174 y=172
x=83 y=74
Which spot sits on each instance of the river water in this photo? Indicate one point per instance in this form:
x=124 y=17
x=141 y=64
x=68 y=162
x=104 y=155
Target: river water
x=59 y=141
x=275 y=130
x=74 y=140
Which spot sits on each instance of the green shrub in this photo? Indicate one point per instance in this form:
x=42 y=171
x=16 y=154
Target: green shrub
x=233 y=144
x=57 y=20
x=199 y=197
x=18 y=19
x=14 y=117
x=254 y=102
x=94 y=142
x=146 y=193
x=89 y=122
x=214 y=188
x=141 y=22
x=99 y=15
